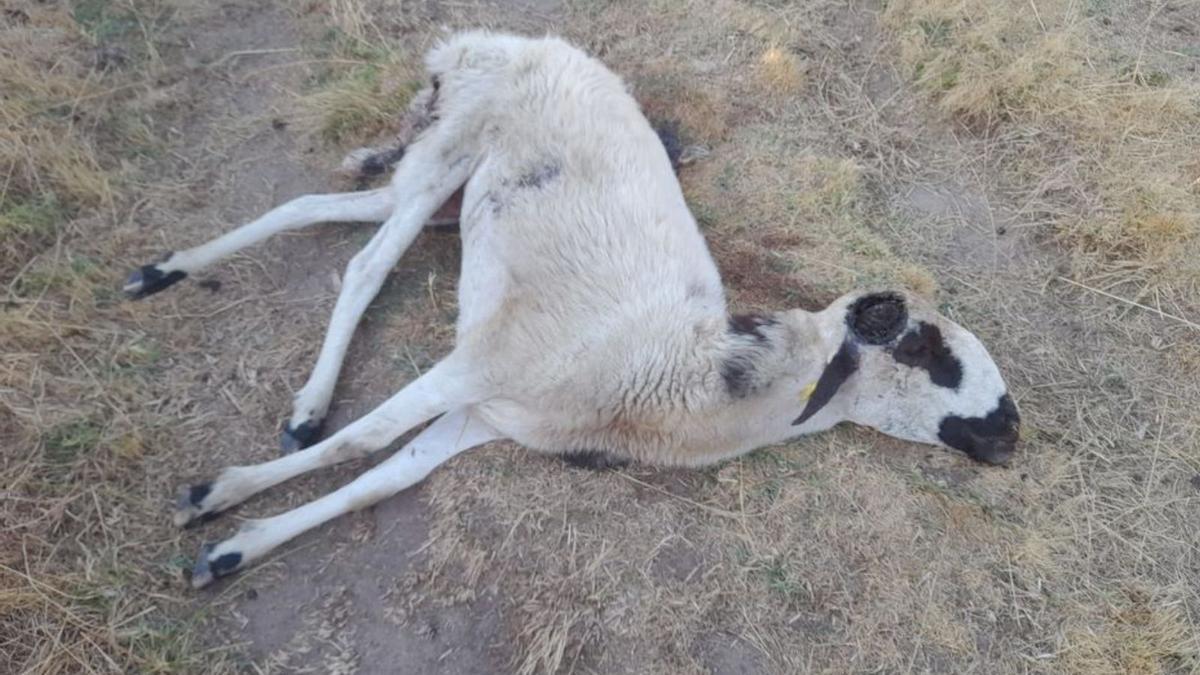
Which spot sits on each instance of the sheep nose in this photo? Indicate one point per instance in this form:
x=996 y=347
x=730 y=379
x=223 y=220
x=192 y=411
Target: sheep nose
x=994 y=449
x=991 y=439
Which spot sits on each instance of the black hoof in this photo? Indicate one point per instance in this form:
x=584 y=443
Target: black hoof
x=595 y=460
x=206 y=571
x=668 y=134
x=376 y=164
x=189 y=506
x=149 y=280
x=301 y=437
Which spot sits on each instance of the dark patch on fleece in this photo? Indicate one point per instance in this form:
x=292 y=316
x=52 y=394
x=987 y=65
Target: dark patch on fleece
x=431 y=107
x=539 y=176
x=738 y=369
x=198 y=492
x=495 y=202
x=149 y=280
x=206 y=570
x=193 y=498
x=924 y=348
x=751 y=325
x=225 y=564
x=990 y=439
x=300 y=437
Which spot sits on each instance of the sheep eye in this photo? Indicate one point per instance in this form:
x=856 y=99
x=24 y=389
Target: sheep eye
x=877 y=319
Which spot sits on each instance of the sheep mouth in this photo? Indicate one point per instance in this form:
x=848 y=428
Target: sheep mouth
x=991 y=439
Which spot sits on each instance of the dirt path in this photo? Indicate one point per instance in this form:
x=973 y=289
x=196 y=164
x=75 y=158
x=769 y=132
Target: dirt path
x=322 y=603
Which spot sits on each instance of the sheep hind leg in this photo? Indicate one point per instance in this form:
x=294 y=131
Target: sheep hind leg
x=365 y=163
x=444 y=387
x=449 y=435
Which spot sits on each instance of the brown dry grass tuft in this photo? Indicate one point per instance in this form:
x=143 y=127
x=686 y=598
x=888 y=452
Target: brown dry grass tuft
x=783 y=74
x=81 y=573
x=52 y=104
x=362 y=81
x=805 y=215
x=1137 y=635
x=1107 y=133
x=359 y=102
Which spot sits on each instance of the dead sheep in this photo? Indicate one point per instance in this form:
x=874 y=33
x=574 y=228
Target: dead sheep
x=592 y=319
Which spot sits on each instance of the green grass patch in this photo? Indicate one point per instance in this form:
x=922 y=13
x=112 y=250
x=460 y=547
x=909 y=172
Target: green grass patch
x=76 y=274
x=104 y=20
x=67 y=442
x=35 y=216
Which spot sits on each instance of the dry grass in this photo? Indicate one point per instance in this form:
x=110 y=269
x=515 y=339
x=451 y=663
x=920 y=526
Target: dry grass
x=81 y=577
x=48 y=158
x=362 y=78
x=781 y=72
x=358 y=94
x=1106 y=127
x=798 y=223
x=839 y=553
x=849 y=551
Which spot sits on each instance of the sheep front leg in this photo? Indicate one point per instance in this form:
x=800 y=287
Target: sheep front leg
x=451 y=434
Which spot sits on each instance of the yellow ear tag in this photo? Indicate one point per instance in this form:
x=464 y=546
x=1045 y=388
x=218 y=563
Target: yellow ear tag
x=807 y=392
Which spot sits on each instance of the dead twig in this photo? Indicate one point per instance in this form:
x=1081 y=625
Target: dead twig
x=1165 y=315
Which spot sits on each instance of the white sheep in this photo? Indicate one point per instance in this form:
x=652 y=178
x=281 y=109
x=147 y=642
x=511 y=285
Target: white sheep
x=592 y=320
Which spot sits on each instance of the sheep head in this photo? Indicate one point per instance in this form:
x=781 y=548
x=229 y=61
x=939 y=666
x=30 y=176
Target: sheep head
x=899 y=366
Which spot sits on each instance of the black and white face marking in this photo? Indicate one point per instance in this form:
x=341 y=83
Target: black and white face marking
x=924 y=348
x=990 y=438
x=911 y=373
x=874 y=319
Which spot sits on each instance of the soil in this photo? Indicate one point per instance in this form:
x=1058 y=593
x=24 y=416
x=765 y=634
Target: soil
x=350 y=596
x=240 y=161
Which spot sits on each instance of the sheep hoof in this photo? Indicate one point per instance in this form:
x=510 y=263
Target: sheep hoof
x=209 y=568
x=299 y=437
x=369 y=162
x=354 y=164
x=148 y=280
x=189 y=506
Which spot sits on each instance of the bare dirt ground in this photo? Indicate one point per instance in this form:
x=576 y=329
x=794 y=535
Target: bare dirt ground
x=839 y=147
x=237 y=160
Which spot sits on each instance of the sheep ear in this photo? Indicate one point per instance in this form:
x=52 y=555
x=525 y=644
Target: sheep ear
x=877 y=319
x=840 y=368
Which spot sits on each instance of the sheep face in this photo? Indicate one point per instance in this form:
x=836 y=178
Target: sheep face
x=902 y=368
